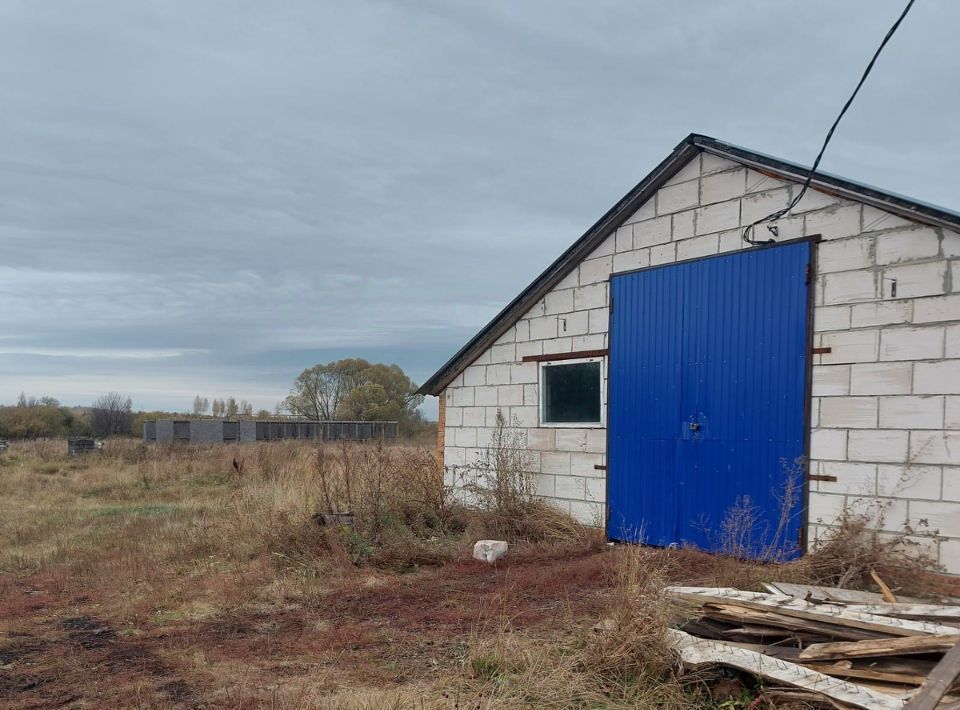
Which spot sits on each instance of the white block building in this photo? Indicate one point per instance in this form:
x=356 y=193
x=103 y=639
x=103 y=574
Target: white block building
x=722 y=364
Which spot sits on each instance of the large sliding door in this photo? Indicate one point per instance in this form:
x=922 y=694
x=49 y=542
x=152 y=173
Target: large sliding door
x=707 y=393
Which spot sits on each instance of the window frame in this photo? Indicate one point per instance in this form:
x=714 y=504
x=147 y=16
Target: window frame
x=602 y=424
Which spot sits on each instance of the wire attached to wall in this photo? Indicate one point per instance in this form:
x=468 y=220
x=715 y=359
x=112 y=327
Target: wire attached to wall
x=773 y=216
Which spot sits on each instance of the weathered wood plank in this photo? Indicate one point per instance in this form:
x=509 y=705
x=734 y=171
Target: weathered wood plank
x=909 y=611
x=710 y=627
x=790 y=606
x=938 y=683
x=696 y=653
x=885 y=591
x=843 y=669
x=823 y=594
x=894 y=690
x=759 y=630
x=810 y=630
x=873 y=648
x=819 y=593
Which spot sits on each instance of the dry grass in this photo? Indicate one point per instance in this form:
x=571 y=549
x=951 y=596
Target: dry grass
x=184 y=502
x=848 y=553
x=171 y=577
x=169 y=571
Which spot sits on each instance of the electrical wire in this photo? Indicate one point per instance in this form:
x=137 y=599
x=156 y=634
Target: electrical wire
x=773 y=216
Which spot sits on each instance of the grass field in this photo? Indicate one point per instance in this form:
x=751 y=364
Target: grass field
x=200 y=577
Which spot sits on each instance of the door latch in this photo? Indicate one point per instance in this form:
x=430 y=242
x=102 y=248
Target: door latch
x=694 y=426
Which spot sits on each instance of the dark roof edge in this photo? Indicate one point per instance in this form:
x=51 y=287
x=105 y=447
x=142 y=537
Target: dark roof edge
x=833 y=184
x=632 y=201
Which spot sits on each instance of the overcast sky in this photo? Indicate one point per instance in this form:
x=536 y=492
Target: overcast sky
x=207 y=197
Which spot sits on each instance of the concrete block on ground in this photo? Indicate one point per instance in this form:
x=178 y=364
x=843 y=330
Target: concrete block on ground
x=489 y=550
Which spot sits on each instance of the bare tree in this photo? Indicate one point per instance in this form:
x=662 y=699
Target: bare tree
x=112 y=414
x=198 y=405
x=318 y=390
x=232 y=407
x=246 y=409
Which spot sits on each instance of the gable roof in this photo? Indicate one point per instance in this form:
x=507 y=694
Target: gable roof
x=689 y=148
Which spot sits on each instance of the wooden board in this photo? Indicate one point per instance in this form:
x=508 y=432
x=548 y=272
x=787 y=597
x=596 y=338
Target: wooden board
x=830 y=594
x=711 y=628
x=844 y=669
x=875 y=648
x=910 y=671
x=696 y=653
x=885 y=591
x=910 y=611
x=798 y=608
x=938 y=682
x=823 y=594
x=806 y=630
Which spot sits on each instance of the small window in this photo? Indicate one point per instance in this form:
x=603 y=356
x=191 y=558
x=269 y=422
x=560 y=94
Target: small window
x=571 y=393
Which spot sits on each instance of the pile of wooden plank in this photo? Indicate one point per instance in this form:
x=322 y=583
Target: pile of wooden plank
x=828 y=647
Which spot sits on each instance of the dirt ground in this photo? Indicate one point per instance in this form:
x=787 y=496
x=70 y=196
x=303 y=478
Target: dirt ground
x=372 y=632
x=377 y=630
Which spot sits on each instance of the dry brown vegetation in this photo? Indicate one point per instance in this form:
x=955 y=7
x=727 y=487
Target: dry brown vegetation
x=202 y=577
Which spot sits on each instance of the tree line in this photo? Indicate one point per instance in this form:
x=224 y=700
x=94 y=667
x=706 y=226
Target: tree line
x=45 y=417
x=350 y=389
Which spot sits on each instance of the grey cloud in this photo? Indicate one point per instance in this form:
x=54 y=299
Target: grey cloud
x=275 y=184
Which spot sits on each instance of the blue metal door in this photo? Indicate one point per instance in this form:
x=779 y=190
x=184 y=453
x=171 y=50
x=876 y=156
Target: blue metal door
x=707 y=383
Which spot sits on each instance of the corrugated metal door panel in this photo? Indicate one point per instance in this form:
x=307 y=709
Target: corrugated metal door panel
x=645 y=407
x=738 y=335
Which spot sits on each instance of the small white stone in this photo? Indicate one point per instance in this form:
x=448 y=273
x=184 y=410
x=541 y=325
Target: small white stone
x=489 y=550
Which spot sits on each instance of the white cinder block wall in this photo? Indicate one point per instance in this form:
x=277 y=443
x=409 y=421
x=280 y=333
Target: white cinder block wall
x=886 y=399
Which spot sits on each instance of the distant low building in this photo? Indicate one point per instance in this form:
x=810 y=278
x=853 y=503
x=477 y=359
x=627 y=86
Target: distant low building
x=218 y=431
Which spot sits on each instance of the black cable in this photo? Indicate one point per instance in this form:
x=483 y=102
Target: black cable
x=806 y=183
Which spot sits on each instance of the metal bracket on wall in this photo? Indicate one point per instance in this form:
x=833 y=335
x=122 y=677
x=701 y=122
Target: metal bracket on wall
x=893 y=285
